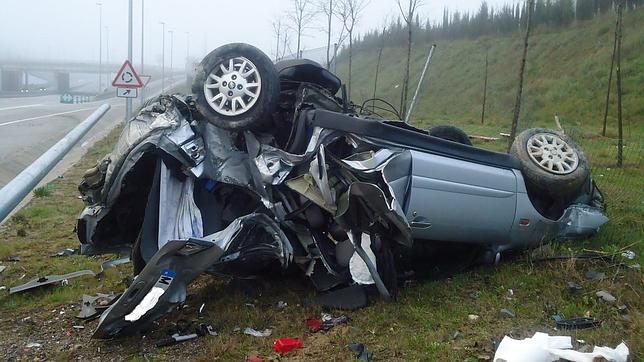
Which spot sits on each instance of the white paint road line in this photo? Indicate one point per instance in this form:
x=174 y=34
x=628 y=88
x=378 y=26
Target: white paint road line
x=49 y=115
x=17 y=107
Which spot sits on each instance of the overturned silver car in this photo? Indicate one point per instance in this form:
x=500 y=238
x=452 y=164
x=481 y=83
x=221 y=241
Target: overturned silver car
x=263 y=166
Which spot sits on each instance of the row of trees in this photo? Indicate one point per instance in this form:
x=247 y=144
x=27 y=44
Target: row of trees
x=489 y=20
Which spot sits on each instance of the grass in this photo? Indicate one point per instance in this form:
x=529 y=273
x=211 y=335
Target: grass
x=429 y=321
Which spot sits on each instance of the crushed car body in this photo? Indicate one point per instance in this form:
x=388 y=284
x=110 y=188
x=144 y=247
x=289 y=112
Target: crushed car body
x=262 y=166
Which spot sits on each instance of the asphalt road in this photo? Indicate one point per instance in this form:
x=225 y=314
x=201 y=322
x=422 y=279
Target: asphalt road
x=31 y=125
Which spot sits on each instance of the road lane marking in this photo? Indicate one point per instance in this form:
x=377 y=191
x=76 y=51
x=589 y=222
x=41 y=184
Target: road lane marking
x=17 y=107
x=49 y=115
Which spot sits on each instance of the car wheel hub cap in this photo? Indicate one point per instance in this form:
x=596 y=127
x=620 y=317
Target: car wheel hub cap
x=233 y=86
x=552 y=153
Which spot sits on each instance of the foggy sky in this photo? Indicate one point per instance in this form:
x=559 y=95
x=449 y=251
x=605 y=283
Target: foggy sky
x=69 y=29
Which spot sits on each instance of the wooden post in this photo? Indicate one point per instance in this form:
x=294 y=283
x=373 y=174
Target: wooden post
x=610 y=76
x=517 y=102
x=620 y=133
x=484 y=89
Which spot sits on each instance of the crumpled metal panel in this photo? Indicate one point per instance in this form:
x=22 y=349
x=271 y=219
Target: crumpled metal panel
x=579 y=221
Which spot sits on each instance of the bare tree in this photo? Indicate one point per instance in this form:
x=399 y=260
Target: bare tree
x=279 y=30
x=610 y=76
x=349 y=12
x=620 y=132
x=326 y=6
x=517 y=101
x=484 y=89
x=408 y=14
x=301 y=18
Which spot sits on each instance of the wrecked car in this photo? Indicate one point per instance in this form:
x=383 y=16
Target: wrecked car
x=263 y=166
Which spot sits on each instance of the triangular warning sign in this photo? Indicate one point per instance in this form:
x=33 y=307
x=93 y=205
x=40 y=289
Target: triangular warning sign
x=127 y=77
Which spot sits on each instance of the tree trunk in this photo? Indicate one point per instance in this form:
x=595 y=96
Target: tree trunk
x=405 y=85
x=620 y=134
x=375 y=80
x=350 y=60
x=484 y=91
x=328 y=37
x=299 y=36
x=610 y=77
x=517 y=102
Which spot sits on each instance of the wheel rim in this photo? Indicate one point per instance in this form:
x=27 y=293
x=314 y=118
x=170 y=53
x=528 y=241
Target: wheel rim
x=233 y=86
x=552 y=153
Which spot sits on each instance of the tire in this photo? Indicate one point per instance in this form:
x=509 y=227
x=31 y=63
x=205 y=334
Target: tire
x=249 y=98
x=567 y=170
x=450 y=133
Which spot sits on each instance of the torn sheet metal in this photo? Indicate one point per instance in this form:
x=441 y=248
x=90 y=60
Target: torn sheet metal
x=544 y=348
x=579 y=221
x=48 y=280
x=163 y=282
x=93 y=305
x=358 y=268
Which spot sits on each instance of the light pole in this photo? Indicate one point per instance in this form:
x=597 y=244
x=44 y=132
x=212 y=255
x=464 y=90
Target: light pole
x=162 y=56
x=187 y=46
x=100 y=46
x=142 y=34
x=107 y=50
x=128 y=101
x=171 y=51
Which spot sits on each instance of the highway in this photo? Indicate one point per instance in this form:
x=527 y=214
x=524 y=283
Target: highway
x=30 y=125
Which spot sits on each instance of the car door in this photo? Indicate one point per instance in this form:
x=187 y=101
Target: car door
x=461 y=201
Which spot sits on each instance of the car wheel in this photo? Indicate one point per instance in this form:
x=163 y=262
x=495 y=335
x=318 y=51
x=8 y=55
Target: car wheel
x=236 y=87
x=450 y=133
x=551 y=162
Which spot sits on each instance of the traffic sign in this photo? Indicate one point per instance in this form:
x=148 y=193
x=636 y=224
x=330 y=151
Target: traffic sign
x=146 y=79
x=127 y=92
x=66 y=98
x=126 y=77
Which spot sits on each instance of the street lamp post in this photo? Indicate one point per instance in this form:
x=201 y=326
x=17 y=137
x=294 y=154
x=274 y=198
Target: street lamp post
x=187 y=46
x=107 y=50
x=171 y=51
x=128 y=101
x=142 y=34
x=162 y=56
x=100 y=46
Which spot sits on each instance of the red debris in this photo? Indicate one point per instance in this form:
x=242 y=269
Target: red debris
x=284 y=345
x=314 y=324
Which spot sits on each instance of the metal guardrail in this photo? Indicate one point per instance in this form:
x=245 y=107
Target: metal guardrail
x=16 y=190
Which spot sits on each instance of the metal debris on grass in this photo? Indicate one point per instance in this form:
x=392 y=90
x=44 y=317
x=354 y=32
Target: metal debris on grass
x=50 y=279
x=362 y=354
x=606 y=296
x=255 y=333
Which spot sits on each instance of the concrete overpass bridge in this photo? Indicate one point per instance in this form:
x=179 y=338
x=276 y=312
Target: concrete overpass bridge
x=54 y=76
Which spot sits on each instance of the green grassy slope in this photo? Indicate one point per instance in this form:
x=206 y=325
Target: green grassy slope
x=567 y=74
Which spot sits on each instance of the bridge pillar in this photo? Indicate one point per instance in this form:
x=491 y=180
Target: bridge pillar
x=62 y=82
x=11 y=80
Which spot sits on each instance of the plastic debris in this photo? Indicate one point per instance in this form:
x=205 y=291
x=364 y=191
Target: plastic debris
x=629 y=254
x=575 y=323
x=573 y=287
x=65 y=252
x=314 y=324
x=50 y=279
x=544 y=348
x=33 y=345
x=329 y=321
x=473 y=317
x=93 y=305
x=622 y=308
x=14 y=258
x=507 y=313
x=282 y=304
x=606 y=296
x=284 y=345
x=2 y=268
x=254 y=358
x=595 y=275
x=362 y=354
x=255 y=333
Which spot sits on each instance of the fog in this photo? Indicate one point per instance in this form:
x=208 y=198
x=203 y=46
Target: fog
x=69 y=29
